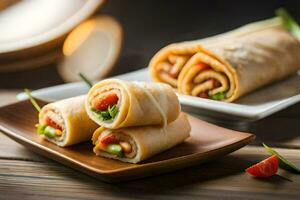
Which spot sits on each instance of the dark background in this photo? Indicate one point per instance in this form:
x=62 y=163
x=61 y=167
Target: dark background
x=151 y=24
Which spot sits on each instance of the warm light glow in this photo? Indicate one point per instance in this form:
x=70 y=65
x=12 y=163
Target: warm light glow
x=77 y=37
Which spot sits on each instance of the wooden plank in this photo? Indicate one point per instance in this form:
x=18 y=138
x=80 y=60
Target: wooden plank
x=24 y=174
x=9 y=149
x=224 y=178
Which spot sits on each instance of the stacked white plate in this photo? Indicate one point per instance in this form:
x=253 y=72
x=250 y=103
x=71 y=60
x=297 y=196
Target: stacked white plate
x=32 y=32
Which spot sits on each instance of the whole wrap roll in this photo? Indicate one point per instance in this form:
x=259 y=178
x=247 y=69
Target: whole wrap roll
x=70 y=114
x=234 y=63
x=138 y=103
x=145 y=141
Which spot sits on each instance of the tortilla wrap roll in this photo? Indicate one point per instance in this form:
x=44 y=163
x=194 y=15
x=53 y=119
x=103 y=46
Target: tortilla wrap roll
x=66 y=122
x=136 y=144
x=167 y=63
x=114 y=103
x=229 y=66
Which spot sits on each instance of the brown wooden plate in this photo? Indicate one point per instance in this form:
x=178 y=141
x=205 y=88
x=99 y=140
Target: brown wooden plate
x=207 y=142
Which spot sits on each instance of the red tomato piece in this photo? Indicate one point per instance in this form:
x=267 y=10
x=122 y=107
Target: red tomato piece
x=103 y=103
x=203 y=95
x=265 y=168
x=110 y=139
x=53 y=124
x=202 y=66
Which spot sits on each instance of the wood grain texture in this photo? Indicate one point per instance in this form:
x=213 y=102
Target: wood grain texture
x=25 y=175
x=49 y=180
x=11 y=150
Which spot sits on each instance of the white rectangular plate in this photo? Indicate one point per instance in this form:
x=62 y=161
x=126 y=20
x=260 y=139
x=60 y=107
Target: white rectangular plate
x=257 y=105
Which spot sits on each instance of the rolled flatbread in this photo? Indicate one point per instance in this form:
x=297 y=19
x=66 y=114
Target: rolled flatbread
x=225 y=67
x=68 y=120
x=114 y=103
x=136 y=144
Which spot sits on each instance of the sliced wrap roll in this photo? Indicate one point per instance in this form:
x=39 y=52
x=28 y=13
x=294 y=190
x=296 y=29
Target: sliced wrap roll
x=66 y=122
x=227 y=66
x=114 y=103
x=136 y=144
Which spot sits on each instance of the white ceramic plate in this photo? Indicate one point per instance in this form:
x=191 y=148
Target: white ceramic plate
x=28 y=24
x=254 y=106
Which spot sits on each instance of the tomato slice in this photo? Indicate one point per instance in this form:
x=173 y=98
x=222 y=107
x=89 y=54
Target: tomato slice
x=110 y=139
x=265 y=168
x=103 y=103
x=53 y=124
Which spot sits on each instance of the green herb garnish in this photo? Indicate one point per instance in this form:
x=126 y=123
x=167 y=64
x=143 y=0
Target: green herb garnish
x=32 y=100
x=283 y=163
x=106 y=115
x=218 y=96
x=40 y=128
x=115 y=149
x=86 y=80
x=289 y=22
x=48 y=131
x=113 y=111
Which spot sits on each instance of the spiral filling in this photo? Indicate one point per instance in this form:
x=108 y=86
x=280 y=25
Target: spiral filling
x=115 y=144
x=52 y=125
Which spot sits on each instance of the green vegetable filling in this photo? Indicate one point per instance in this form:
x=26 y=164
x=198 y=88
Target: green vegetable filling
x=48 y=131
x=218 y=96
x=40 y=128
x=106 y=115
x=115 y=149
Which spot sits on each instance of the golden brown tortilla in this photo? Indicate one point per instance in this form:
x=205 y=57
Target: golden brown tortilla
x=139 y=103
x=148 y=140
x=77 y=126
x=241 y=61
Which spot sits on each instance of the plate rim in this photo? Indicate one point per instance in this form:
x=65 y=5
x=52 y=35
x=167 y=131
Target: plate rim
x=232 y=109
x=248 y=137
x=87 y=9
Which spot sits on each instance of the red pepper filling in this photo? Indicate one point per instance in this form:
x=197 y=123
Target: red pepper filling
x=202 y=66
x=104 y=102
x=216 y=84
x=204 y=95
x=112 y=139
x=53 y=124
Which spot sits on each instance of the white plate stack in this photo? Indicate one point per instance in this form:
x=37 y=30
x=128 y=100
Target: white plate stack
x=32 y=33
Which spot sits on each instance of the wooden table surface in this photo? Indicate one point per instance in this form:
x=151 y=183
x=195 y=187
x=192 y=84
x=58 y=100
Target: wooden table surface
x=147 y=27
x=26 y=175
